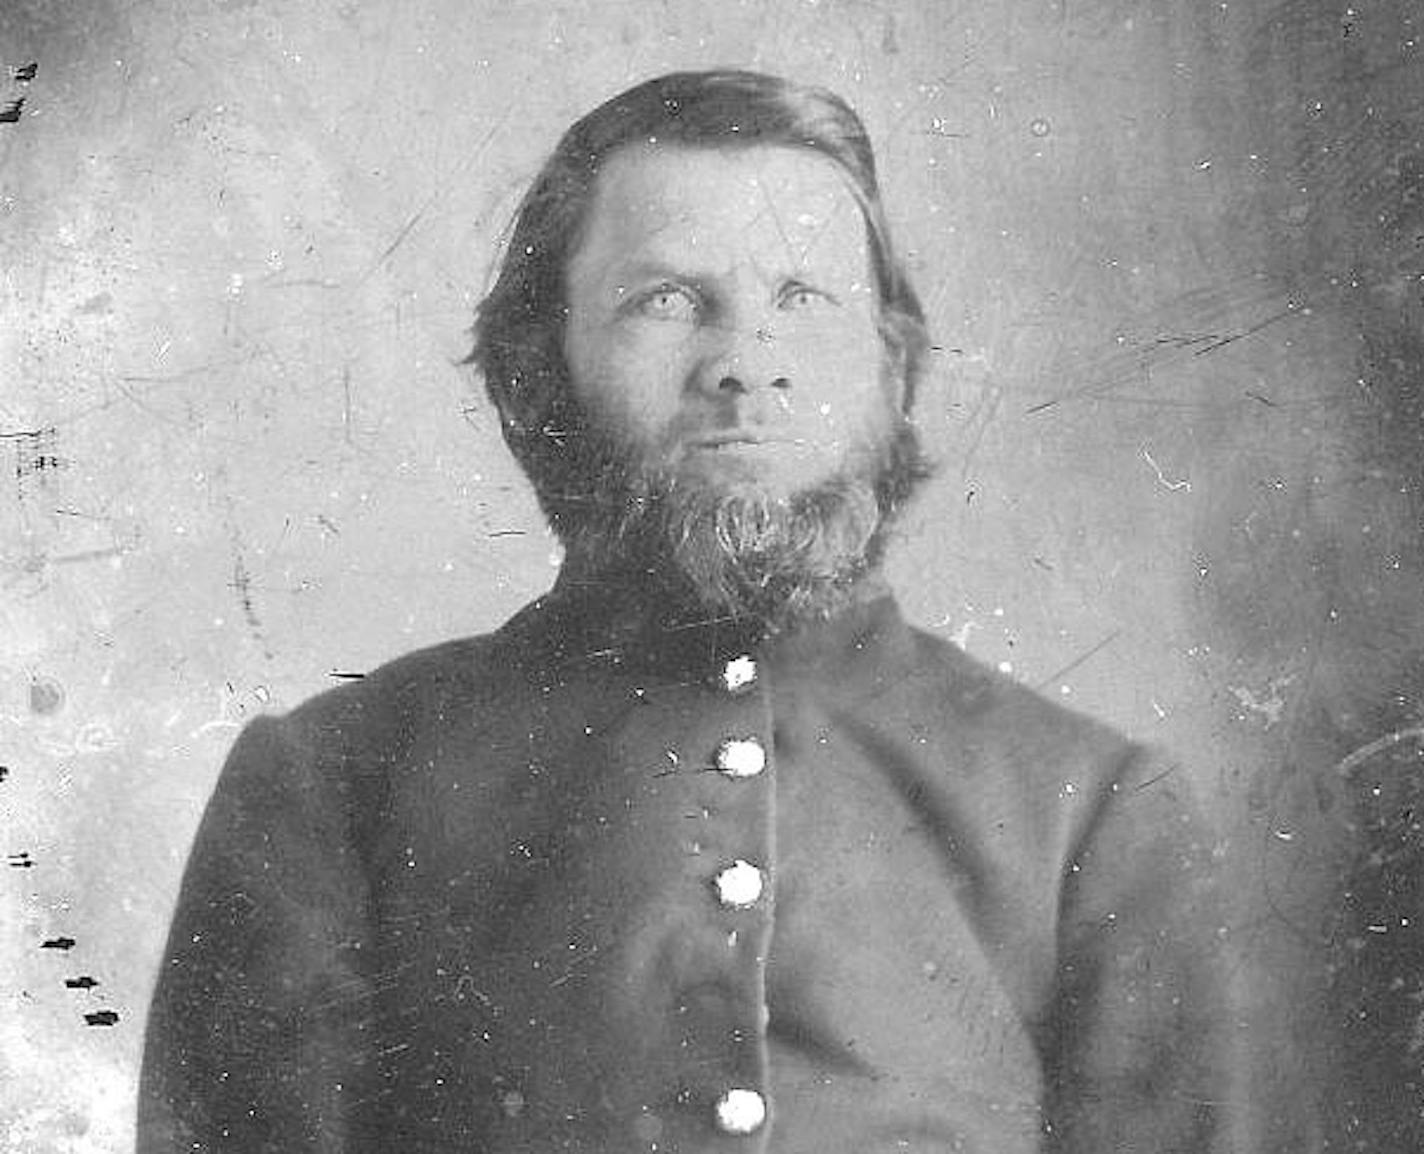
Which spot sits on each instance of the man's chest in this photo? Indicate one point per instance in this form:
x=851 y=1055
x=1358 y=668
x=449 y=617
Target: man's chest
x=648 y=893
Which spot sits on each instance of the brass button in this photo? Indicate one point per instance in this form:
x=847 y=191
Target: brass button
x=739 y=674
x=739 y=885
x=740 y=1112
x=741 y=757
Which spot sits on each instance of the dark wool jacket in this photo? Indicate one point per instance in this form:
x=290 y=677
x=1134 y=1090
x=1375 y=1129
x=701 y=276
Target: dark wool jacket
x=594 y=884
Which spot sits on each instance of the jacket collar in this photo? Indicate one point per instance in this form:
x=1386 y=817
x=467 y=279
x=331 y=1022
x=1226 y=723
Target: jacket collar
x=613 y=623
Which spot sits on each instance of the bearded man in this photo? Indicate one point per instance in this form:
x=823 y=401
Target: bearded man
x=707 y=849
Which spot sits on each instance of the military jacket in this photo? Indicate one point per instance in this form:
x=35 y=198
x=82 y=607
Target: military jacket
x=602 y=884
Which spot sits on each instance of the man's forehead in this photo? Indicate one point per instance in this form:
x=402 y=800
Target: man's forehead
x=653 y=200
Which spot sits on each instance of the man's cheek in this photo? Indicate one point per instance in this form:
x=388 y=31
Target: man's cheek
x=845 y=378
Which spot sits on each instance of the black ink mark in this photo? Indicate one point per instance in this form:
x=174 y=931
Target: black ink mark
x=443 y=185
x=12 y=104
x=37 y=461
x=1195 y=324
x=36 y=455
x=58 y=944
x=21 y=861
x=101 y=1018
x=83 y=982
x=506 y=533
x=404 y=231
x=341 y=675
x=4 y=772
x=1221 y=342
x=1151 y=781
x=242 y=582
x=1077 y=661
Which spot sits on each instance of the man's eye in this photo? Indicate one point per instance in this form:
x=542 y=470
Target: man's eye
x=668 y=302
x=800 y=296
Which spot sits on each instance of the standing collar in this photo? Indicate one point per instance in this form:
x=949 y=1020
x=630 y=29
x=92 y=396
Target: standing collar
x=614 y=622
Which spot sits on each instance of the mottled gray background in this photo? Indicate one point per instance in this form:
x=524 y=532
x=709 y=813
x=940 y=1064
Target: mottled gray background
x=1172 y=253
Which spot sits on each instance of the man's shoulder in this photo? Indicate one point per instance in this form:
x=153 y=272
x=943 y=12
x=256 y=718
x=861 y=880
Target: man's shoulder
x=436 y=682
x=994 y=710
x=1013 y=740
x=403 y=692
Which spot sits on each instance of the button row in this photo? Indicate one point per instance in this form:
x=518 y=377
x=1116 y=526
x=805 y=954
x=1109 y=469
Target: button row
x=740 y=885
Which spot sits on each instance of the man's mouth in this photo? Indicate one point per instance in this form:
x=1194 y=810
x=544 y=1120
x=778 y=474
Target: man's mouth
x=734 y=439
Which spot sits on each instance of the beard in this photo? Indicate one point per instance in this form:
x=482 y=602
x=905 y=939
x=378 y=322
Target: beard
x=735 y=551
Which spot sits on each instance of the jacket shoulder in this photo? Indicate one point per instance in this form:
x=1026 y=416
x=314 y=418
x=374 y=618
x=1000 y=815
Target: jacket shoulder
x=1005 y=717
x=977 y=689
x=417 y=679
x=372 y=721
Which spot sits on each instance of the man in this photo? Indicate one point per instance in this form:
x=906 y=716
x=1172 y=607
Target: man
x=706 y=849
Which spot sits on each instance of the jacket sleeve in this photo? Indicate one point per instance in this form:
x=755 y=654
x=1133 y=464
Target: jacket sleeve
x=258 y=1030
x=1140 y=1045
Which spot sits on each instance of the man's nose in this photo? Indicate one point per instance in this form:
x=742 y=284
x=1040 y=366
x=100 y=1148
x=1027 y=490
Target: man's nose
x=751 y=361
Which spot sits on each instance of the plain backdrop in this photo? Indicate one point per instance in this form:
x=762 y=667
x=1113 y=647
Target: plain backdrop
x=1172 y=254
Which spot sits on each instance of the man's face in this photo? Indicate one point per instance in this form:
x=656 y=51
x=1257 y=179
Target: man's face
x=723 y=319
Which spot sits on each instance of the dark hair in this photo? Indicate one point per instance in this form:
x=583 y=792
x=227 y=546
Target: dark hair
x=519 y=327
